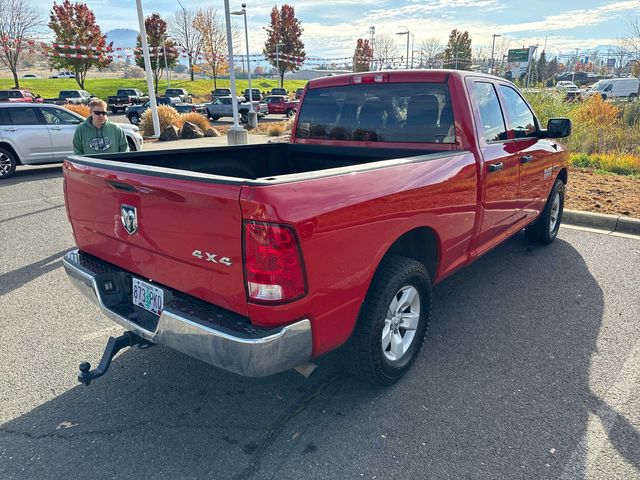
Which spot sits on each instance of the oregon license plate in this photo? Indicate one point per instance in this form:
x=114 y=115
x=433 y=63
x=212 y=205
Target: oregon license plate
x=147 y=296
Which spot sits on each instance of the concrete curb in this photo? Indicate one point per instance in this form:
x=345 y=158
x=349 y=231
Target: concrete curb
x=611 y=223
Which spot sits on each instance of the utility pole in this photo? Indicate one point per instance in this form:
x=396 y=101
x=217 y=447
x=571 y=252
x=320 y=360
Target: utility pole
x=372 y=36
x=457 y=60
x=574 y=67
x=493 y=44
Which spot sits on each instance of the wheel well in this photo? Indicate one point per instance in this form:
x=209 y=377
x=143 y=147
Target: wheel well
x=420 y=244
x=563 y=175
x=10 y=148
x=132 y=144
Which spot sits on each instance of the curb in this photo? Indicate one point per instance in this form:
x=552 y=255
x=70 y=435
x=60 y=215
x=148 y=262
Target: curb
x=611 y=223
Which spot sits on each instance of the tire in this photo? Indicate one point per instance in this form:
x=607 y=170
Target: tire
x=290 y=113
x=244 y=117
x=545 y=229
x=369 y=353
x=8 y=163
x=604 y=96
x=632 y=97
x=114 y=110
x=134 y=118
x=132 y=145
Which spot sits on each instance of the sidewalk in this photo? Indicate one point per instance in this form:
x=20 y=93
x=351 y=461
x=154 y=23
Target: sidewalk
x=150 y=145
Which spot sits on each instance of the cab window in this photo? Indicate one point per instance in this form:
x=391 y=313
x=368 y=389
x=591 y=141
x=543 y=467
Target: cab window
x=486 y=98
x=519 y=116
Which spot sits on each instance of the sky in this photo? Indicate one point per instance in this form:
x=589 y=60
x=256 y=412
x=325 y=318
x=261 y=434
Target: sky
x=332 y=27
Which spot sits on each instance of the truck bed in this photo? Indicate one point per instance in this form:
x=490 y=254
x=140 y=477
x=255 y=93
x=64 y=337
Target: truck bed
x=267 y=163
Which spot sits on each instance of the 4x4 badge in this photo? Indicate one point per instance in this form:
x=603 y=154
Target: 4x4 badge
x=129 y=218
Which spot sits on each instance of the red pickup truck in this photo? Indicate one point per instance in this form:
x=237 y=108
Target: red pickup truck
x=260 y=258
x=281 y=105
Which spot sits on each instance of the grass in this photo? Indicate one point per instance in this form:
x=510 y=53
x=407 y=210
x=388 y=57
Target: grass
x=617 y=163
x=104 y=87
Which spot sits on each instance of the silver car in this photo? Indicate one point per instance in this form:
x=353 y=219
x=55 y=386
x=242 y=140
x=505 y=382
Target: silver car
x=34 y=134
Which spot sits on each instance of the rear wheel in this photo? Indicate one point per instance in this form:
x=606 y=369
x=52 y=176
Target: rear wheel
x=8 y=163
x=290 y=113
x=134 y=118
x=393 y=322
x=244 y=117
x=545 y=229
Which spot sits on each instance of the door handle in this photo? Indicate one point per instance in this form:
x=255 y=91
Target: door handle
x=526 y=158
x=494 y=167
x=56 y=128
x=9 y=129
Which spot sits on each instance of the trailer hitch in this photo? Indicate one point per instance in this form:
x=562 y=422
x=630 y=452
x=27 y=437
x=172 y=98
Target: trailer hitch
x=114 y=345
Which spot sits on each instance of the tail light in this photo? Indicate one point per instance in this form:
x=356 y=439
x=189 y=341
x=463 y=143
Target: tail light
x=273 y=263
x=193 y=109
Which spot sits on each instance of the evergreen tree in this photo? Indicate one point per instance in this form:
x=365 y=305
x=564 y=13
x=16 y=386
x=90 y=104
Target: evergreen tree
x=542 y=68
x=457 y=54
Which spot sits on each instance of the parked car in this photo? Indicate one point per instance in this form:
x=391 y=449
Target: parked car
x=223 y=107
x=75 y=97
x=125 y=97
x=616 y=88
x=63 y=74
x=181 y=93
x=280 y=104
x=299 y=92
x=40 y=133
x=19 y=95
x=30 y=75
x=220 y=92
x=134 y=112
x=333 y=240
x=256 y=95
x=279 y=91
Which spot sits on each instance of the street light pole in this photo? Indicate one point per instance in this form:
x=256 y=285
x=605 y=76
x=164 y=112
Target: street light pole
x=147 y=68
x=164 y=53
x=253 y=116
x=407 y=33
x=493 y=44
x=236 y=135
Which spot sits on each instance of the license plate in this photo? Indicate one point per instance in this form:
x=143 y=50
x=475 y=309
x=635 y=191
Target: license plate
x=147 y=296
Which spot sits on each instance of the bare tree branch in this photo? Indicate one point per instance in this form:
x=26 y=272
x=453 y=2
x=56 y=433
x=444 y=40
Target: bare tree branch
x=182 y=28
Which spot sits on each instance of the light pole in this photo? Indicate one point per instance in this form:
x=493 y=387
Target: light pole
x=236 y=135
x=147 y=68
x=493 y=45
x=407 y=33
x=164 y=53
x=278 y=62
x=253 y=116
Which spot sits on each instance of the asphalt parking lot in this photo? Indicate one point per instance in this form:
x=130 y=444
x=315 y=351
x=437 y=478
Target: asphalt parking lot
x=530 y=370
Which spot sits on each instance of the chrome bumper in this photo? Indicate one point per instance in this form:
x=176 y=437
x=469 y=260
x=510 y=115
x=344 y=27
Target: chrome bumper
x=233 y=345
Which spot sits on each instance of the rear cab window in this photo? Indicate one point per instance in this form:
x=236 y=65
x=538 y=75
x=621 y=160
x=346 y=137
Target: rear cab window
x=408 y=112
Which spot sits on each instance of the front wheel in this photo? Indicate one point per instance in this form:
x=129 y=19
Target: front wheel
x=392 y=323
x=244 y=117
x=290 y=113
x=8 y=163
x=545 y=229
x=134 y=118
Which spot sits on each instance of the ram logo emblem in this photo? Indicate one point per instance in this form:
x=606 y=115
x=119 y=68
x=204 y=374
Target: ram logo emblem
x=129 y=218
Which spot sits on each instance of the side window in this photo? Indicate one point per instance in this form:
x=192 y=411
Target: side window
x=493 y=127
x=521 y=120
x=23 y=116
x=608 y=87
x=4 y=116
x=54 y=116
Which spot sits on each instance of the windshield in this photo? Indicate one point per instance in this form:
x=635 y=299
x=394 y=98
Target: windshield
x=599 y=86
x=385 y=112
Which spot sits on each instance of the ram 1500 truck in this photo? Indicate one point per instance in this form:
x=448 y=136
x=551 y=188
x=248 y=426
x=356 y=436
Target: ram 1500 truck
x=260 y=258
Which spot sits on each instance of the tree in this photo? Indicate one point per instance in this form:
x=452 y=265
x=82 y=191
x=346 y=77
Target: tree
x=74 y=25
x=284 y=31
x=385 y=51
x=362 y=56
x=18 y=21
x=632 y=42
x=457 y=54
x=430 y=48
x=214 y=41
x=541 y=70
x=162 y=51
x=182 y=27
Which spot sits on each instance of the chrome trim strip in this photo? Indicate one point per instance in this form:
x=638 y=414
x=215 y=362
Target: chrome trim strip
x=252 y=357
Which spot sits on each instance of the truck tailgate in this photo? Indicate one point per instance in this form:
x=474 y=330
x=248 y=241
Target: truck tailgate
x=188 y=234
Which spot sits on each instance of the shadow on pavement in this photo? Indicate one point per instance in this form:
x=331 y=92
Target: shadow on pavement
x=501 y=384
x=34 y=172
x=18 y=277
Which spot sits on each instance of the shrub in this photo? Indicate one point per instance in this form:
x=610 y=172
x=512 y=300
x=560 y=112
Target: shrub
x=83 y=110
x=193 y=117
x=276 y=130
x=167 y=115
x=619 y=163
x=132 y=71
x=631 y=114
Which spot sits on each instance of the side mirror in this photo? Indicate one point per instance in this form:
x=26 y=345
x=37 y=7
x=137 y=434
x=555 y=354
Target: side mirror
x=558 y=128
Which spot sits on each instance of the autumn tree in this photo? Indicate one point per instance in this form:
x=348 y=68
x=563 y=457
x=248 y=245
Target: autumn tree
x=384 y=51
x=362 y=56
x=162 y=50
x=457 y=54
x=18 y=21
x=188 y=37
x=285 y=32
x=74 y=25
x=214 y=41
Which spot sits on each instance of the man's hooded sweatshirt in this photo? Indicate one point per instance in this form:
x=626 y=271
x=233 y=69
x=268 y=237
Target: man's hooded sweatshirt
x=89 y=139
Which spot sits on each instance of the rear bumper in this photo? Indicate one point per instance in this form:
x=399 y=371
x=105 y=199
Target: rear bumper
x=198 y=329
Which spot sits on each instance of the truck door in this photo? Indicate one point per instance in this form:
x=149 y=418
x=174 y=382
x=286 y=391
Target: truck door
x=501 y=164
x=535 y=155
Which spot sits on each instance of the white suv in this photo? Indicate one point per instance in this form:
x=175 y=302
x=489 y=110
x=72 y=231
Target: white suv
x=32 y=133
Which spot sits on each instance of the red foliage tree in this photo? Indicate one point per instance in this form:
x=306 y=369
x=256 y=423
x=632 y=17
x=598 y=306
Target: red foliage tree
x=159 y=46
x=285 y=31
x=362 y=56
x=74 y=24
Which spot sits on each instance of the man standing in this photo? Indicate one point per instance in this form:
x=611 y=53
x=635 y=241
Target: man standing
x=97 y=134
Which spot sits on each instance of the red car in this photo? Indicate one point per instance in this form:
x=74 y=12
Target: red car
x=260 y=258
x=18 y=96
x=280 y=104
